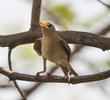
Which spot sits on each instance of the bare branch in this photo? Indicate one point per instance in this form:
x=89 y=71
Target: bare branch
x=10 y=67
x=14 y=40
x=103 y=31
x=36 y=12
x=86 y=38
x=108 y=6
x=55 y=79
x=9 y=57
x=77 y=37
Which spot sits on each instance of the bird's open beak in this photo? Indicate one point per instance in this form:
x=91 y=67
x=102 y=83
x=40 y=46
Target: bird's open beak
x=43 y=25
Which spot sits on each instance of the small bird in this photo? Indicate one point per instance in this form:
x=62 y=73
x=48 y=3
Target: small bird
x=51 y=47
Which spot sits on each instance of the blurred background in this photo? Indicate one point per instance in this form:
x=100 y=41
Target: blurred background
x=78 y=15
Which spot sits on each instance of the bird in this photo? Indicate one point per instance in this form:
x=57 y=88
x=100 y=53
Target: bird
x=53 y=48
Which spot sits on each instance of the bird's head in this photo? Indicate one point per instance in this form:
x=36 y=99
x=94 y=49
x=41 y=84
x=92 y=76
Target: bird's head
x=47 y=27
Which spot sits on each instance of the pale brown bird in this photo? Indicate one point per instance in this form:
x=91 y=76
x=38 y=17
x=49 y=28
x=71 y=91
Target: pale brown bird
x=51 y=47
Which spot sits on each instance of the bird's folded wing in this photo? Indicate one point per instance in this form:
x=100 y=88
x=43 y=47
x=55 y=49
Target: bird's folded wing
x=66 y=47
x=37 y=46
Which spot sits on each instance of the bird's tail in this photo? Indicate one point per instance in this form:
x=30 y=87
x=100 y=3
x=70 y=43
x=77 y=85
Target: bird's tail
x=73 y=71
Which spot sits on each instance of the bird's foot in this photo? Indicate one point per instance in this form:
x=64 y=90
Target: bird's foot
x=68 y=77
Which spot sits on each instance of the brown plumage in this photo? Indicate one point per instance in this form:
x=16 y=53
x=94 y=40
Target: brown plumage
x=52 y=47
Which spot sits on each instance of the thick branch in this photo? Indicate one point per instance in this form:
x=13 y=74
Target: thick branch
x=84 y=38
x=58 y=79
x=35 y=12
x=15 y=39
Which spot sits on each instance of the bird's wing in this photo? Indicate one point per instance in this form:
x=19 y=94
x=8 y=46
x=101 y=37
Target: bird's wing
x=66 y=47
x=37 y=46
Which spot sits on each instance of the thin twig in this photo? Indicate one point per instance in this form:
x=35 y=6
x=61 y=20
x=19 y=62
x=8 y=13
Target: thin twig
x=108 y=6
x=10 y=67
x=104 y=30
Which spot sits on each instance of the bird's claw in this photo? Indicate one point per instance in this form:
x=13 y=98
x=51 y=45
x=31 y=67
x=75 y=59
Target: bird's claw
x=67 y=77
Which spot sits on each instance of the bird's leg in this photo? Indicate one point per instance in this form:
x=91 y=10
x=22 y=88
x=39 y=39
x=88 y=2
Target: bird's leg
x=44 y=68
x=66 y=73
x=71 y=70
x=65 y=70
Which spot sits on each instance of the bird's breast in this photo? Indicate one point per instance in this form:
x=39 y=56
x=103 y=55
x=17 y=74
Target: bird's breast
x=48 y=47
x=52 y=50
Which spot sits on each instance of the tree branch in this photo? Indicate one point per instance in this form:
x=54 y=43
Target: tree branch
x=10 y=67
x=77 y=37
x=103 y=31
x=58 y=79
x=108 y=6
x=36 y=12
x=84 y=38
x=15 y=39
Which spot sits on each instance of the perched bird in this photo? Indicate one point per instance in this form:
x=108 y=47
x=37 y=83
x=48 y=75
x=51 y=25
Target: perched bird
x=51 y=47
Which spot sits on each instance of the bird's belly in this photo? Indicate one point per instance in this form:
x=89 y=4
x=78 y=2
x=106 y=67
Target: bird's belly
x=53 y=52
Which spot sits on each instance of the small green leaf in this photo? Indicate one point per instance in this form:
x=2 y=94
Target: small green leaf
x=63 y=12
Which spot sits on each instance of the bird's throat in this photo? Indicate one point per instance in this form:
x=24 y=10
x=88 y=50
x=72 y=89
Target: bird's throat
x=49 y=34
